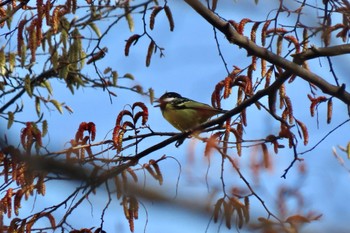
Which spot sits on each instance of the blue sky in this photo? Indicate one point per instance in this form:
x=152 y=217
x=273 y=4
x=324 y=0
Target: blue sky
x=192 y=67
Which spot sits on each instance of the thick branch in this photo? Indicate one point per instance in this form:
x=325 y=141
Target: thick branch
x=315 y=52
x=253 y=49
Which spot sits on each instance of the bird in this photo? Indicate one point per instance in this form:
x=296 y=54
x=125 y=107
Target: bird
x=184 y=113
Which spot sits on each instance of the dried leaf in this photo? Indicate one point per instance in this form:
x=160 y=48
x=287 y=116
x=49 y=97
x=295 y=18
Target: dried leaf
x=28 y=86
x=326 y=35
x=133 y=174
x=329 y=110
x=282 y=95
x=114 y=78
x=243 y=117
x=253 y=32
x=151 y=95
x=240 y=218
x=17 y=201
x=10 y=120
x=304 y=131
x=297 y=219
x=272 y=102
x=154 y=13
x=150 y=170
x=118 y=186
x=210 y=144
x=246 y=209
x=159 y=175
x=217 y=208
x=263 y=32
x=279 y=45
x=134 y=207
x=124 y=180
x=20 y=39
x=170 y=18
x=315 y=102
x=40 y=185
x=295 y=42
x=129 y=76
x=32 y=39
x=266 y=156
x=8 y=202
x=131 y=41
x=149 y=53
x=125 y=204
x=97 y=56
x=37 y=105
x=12 y=61
x=239 y=139
x=242 y=24
x=131 y=224
x=288 y=104
x=228 y=211
x=44 y=128
x=92 y=130
x=268 y=74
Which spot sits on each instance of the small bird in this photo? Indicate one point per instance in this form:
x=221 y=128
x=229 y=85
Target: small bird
x=184 y=113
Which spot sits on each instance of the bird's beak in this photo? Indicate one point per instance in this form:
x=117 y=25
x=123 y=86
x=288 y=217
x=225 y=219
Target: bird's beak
x=157 y=101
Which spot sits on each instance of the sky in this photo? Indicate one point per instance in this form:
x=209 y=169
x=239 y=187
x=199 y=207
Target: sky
x=192 y=67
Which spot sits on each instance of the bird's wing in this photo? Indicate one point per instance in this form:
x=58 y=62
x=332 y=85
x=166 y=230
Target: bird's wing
x=198 y=106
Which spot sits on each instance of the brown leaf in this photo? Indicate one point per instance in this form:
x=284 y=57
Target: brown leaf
x=170 y=18
x=304 y=131
x=149 y=53
x=297 y=219
x=329 y=110
x=217 y=208
x=154 y=13
x=131 y=41
x=266 y=156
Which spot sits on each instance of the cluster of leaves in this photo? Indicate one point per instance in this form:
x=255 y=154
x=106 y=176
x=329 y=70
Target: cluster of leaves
x=81 y=144
x=130 y=201
x=31 y=134
x=152 y=47
x=240 y=81
x=228 y=206
x=121 y=127
x=29 y=175
x=50 y=38
x=28 y=183
x=245 y=89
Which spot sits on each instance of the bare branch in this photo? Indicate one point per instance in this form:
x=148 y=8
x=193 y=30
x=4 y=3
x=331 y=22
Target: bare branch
x=315 y=52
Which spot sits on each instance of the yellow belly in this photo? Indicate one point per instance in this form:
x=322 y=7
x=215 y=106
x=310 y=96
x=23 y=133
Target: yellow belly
x=186 y=119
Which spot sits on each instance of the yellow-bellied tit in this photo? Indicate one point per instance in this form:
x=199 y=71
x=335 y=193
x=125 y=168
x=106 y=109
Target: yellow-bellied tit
x=184 y=113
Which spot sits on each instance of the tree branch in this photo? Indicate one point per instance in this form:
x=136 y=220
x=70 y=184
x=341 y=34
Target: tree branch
x=45 y=75
x=253 y=49
x=314 y=52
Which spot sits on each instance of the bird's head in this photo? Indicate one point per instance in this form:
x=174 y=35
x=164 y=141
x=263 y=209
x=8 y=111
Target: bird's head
x=168 y=97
